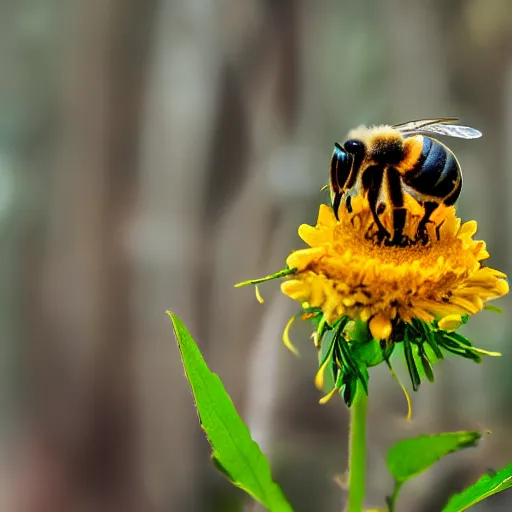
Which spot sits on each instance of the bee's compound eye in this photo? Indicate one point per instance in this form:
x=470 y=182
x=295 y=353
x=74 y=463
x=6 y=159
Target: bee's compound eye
x=354 y=146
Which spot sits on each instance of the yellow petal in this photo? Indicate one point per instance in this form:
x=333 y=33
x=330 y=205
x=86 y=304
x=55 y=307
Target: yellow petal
x=259 y=298
x=326 y=216
x=468 y=228
x=496 y=273
x=469 y=306
x=502 y=287
x=380 y=327
x=482 y=254
x=286 y=337
x=302 y=258
x=450 y=323
x=327 y=397
x=365 y=314
x=295 y=289
x=320 y=374
x=425 y=315
x=312 y=236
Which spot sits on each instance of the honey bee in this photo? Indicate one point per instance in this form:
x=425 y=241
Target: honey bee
x=383 y=163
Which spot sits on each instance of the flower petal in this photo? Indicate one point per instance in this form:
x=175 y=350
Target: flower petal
x=302 y=258
x=380 y=327
x=326 y=216
x=468 y=228
x=295 y=289
x=450 y=323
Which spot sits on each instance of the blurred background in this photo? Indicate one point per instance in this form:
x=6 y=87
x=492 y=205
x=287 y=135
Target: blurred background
x=155 y=152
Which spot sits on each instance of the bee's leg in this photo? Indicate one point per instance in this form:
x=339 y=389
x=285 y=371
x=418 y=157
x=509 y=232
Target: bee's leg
x=438 y=231
x=336 y=203
x=399 y=212
x=372 y=182
x=399 y=218
x=348 y=204
x=422 y=233
x=383 y=233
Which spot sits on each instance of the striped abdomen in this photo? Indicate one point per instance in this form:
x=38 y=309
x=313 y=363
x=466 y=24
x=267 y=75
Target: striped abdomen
x=437 y=173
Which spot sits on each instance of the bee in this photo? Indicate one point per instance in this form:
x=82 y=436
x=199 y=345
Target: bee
x=384 y=163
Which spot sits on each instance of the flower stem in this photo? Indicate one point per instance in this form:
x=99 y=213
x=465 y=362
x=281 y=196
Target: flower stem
x=392 y=499
x=357 y=453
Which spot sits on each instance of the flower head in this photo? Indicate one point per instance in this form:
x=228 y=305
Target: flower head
x=347 y=272
x=365 y=295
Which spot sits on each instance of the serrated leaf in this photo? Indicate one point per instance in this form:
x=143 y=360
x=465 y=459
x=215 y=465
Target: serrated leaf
x=411 y=456
x=482 y=489
x=234 y=451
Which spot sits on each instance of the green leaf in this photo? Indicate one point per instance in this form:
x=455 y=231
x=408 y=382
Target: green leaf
x=234 y=451
x=482 y=489
x=412 y=456
x=325 y=353
x=494 y=309
x=411 y=362
x=348 y=359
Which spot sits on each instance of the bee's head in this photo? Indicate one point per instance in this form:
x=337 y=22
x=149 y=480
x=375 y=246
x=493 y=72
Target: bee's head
x=341 y=164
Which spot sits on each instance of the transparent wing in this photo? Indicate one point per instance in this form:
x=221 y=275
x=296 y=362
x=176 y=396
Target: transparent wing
x=438 y=126
x=451 y=130
x=417 y=125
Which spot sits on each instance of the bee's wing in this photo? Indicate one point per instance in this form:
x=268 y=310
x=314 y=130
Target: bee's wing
x=438 y=126
x=417 y=125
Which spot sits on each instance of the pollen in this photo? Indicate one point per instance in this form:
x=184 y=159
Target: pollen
x=346 y=272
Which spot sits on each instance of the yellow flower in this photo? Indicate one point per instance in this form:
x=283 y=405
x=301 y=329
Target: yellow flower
x=365 y=295
x=348 y=272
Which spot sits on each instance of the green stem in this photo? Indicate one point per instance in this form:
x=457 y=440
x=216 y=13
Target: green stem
x=357 y=453
x=392 y=499
x=281 y=273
